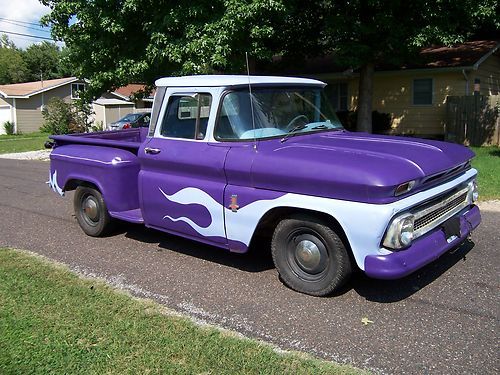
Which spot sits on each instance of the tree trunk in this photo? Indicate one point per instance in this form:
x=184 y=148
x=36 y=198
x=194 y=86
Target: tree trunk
x=364 y=120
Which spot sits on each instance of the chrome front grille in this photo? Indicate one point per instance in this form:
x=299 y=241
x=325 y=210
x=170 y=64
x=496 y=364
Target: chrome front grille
x=430 y=216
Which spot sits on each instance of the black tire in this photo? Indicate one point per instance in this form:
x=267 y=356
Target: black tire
x=91 y=212
x=310 y=256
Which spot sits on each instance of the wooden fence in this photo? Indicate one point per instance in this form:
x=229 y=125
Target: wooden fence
x=473 y=120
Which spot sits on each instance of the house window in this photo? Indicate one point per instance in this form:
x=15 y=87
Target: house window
x=422 y=91
x=76 y=88
x=337 y=92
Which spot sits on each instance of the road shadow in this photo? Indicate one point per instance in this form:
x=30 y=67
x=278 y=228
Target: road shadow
x=257 y=259
x=388 y=291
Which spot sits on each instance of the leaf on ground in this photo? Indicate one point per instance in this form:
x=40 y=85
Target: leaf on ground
x=366 y=321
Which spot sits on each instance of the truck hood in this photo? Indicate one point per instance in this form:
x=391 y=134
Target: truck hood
x=355 y=166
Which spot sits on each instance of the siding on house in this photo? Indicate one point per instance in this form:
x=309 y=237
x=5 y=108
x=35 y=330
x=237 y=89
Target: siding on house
x=111 y=112
x=393 y=93
x=489 y=74
x=29 y=111
x=116 y=112
x=99 y=116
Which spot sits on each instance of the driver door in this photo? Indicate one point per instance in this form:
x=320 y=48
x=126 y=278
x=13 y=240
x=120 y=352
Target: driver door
x=182 y=176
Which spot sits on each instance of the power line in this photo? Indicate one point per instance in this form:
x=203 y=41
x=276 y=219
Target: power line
x=31 y=36
x=26 y=27
x=25 y=22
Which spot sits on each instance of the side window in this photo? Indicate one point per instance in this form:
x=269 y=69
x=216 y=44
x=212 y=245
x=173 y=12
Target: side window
x=422 y=91
x=186 y=116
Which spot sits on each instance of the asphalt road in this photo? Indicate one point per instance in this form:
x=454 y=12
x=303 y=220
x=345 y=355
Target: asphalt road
x=444 y=319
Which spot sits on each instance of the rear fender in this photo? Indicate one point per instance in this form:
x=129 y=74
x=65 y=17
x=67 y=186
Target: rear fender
x=113 y=171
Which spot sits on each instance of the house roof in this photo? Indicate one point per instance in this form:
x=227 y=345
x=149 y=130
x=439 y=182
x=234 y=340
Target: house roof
x=127 y=91
x=468 y=55
x=28 y=89
x=104 y=102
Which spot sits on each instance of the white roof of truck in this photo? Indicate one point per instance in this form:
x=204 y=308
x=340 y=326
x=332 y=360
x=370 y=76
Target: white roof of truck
x=233 y=80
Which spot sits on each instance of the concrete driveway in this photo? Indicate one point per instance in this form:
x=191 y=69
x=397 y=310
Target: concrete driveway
x=443 y=319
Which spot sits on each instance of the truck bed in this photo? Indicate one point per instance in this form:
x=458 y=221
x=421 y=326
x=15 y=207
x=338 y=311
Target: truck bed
x=129 y=139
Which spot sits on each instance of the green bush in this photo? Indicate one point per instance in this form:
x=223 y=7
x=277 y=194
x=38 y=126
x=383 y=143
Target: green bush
x=9 y=127
x=381 y=122
x=63 y=118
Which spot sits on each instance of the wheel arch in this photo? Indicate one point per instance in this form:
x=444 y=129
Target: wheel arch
x=268 y=222
x=73 y=181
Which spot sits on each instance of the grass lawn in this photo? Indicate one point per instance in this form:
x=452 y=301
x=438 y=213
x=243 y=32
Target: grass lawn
x=22 y=142
x=487 y=162
x=52 y=321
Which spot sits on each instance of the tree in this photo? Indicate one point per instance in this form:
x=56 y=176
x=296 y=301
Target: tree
x=42 y=61
x=117 y=42
x=367 y=33
x=5 y=42
x=12 y=66
x=113 y=43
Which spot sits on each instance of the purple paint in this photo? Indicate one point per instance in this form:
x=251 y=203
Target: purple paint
x=422 y=252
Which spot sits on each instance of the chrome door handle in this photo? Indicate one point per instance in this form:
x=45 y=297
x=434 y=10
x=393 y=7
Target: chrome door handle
x=153 y=151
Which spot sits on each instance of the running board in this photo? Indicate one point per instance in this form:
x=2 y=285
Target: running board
x=132 y=216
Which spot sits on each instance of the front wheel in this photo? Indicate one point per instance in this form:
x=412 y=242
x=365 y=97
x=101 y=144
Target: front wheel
x=310 y=256
x=91 y=212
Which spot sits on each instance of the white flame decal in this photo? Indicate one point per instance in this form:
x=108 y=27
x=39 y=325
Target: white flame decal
x=239 y=225
x=196 y=196
x=52 y=182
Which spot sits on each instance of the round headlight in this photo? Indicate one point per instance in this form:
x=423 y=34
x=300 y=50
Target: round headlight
x=406 y=234
x=400 y=232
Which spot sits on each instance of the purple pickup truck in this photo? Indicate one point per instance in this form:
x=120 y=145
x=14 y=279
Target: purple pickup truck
x=230 y=158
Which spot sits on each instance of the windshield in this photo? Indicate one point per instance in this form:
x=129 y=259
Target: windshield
x=131 y=117
x=278 y=112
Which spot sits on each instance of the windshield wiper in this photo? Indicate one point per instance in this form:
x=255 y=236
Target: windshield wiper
x=293 y=131
x=322 y=126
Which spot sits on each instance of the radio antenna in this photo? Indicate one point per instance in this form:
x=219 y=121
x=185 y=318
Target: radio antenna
x=251 y=103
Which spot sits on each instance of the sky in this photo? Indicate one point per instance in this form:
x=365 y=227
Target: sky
x=22 y=17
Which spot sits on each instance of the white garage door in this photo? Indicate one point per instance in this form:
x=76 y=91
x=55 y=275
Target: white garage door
x=4 y=116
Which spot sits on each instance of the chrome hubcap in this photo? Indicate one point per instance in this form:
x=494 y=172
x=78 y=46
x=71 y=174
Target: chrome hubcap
x=90 y=209
x=308 y=255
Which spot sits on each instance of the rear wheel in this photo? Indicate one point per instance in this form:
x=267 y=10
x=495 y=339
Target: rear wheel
x=310 y=256
x=91 y=212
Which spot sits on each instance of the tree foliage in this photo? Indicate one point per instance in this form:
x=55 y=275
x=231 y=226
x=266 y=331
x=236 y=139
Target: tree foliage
x=13 y=68
x=115 y=42
x=42 y=60
x=39 y=61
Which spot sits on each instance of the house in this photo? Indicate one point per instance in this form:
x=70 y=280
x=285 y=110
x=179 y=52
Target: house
x=414 y=94
x=22 y=103
x=112 y=106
